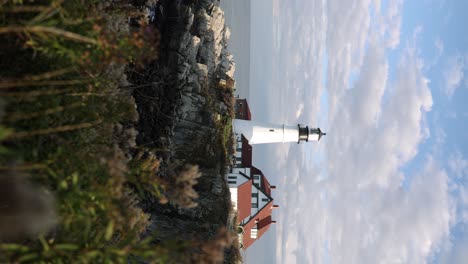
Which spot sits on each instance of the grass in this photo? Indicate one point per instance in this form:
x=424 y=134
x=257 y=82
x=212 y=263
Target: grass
x=224 y=138
x=60 y=105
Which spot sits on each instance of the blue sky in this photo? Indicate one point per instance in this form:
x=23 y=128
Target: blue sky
x=388 y=81
x=443 y=41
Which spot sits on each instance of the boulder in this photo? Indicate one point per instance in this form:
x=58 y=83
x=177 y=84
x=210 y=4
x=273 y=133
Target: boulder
x=202 y=71
x=187 y=16
x=227 y=34
x=217 y=23
x=191 y=50
x=183 y=70
x=204 y=22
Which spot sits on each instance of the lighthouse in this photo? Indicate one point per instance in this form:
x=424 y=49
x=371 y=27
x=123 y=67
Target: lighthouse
x=251 y=192
x=262 y=133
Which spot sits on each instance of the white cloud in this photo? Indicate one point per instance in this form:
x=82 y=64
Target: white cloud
x=350 y=31
x=454 y=74
x=392 y=24
x=455 y=248
x=374 y=219
x=392 y=225
x=458 y=165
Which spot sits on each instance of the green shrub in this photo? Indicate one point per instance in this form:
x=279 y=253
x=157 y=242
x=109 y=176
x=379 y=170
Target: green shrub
x=58 y=63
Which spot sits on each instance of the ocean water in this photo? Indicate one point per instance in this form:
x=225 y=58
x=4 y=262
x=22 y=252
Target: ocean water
x=237 y=18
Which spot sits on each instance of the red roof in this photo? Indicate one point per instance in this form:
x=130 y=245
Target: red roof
x=263 y=221
x=244 y=200
x=266 y=187
x=246 y=153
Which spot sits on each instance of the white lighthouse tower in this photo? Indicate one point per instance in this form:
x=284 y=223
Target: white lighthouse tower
x=262 y=133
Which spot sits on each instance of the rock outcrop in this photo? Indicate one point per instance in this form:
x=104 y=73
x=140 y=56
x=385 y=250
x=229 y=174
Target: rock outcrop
x=177 y=100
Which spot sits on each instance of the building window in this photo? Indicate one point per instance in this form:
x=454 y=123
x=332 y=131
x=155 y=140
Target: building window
x=264 y=199
x=239 y=158
x=254 y=205
x=232 y=182
x=253 y=233
x=256 y=177
x=254 y=195
x=232 y=177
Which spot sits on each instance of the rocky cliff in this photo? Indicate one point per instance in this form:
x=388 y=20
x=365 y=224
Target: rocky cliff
x=180 y=97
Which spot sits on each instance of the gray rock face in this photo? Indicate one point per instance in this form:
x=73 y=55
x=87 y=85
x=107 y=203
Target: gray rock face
x=204 y=22
x=192 y=49
x=195 y=58
x=200 y=54
x=202 y=71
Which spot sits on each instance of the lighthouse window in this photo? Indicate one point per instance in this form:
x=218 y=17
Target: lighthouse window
x=272 y=130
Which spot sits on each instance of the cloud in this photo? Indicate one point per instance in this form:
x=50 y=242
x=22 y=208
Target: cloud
x=454 y=74
x=392 y=224
x=350 y=31
x=455 y=248
x=463 y=204
x=358 y=205
x=458 y=165
x=374 y=218
x=439 y=51
x=392 y=24
x=457 y=253
x=348 y=26
x=360 y=212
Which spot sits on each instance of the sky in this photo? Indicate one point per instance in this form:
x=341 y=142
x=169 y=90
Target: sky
x=387 y=80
